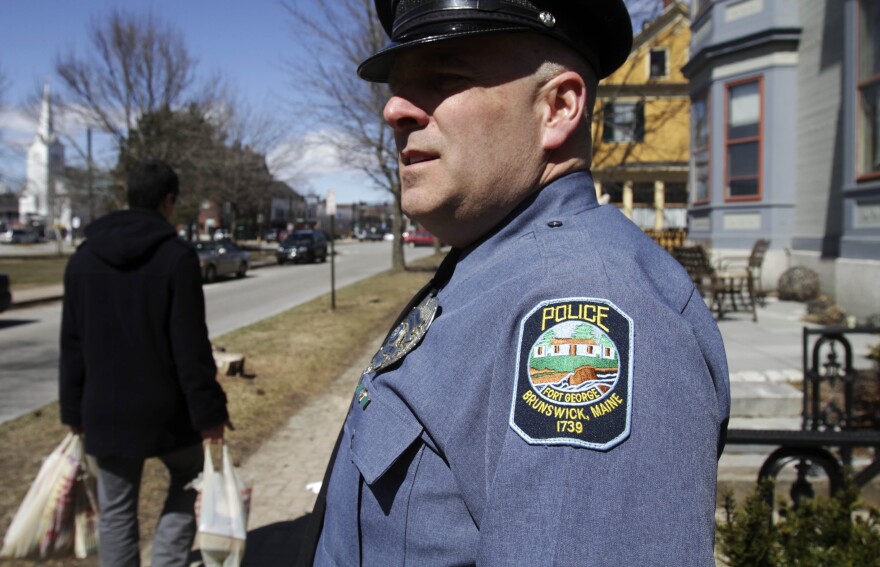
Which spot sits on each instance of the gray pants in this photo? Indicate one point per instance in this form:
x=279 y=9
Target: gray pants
x=119 y=483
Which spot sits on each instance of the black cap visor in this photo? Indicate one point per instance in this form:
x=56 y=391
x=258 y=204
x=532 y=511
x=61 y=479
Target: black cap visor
x=377 y=67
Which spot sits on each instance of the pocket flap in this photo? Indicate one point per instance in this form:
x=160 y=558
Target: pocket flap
x=379 y=436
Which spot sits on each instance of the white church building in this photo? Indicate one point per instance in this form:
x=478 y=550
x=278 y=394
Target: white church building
x=44 y=199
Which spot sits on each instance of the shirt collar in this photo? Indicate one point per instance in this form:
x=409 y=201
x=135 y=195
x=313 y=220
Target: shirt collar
x=559 y=200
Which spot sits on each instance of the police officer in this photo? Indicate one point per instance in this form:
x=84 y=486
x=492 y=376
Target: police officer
x=559 y=395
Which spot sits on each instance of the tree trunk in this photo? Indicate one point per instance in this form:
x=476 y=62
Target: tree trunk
x=397 y=260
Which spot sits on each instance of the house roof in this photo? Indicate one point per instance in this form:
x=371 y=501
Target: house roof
x=573 y=342
x=670 y=13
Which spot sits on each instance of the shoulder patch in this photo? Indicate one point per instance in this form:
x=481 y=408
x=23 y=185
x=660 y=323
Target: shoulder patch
x=573 y=375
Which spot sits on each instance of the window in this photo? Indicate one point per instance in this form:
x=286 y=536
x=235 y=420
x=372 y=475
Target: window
x=869 y=87
x=623 y=122
x=614 y=192
x=744 y=140
x=700 y=121
x=676 y=194
x=657 y=64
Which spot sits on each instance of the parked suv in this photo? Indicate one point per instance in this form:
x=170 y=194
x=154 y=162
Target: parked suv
x=303 y=246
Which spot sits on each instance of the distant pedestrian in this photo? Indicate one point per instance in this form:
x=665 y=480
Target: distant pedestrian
x=559 y=394
x=137 y=375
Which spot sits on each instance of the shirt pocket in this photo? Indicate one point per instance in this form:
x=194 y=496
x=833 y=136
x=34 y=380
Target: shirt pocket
x=380 y=434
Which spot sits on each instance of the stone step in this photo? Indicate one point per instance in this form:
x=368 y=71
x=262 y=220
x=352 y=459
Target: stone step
x=764 y=400
x=792 y=423
x=735 y=466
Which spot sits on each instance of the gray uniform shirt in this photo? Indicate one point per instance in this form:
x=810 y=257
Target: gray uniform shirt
x=564 y=408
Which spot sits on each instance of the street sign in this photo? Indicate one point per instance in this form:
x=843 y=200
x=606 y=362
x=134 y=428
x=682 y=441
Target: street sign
x=331 y=202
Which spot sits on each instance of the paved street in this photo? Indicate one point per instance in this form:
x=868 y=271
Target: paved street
x=29 y=336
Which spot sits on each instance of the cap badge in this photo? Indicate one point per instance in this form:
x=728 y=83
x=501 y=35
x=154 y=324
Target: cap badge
x=548 y=19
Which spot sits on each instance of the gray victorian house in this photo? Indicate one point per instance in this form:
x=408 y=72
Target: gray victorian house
x=785 y=138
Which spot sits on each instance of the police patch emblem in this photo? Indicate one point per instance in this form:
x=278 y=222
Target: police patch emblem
x=573 y=378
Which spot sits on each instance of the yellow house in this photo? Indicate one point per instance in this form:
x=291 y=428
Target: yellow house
x=641 y=125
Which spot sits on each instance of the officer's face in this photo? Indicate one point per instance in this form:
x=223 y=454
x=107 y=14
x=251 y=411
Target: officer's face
x=466 y=124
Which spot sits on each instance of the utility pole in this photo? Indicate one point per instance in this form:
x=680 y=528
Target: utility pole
x=331 y=212
x=89 y=178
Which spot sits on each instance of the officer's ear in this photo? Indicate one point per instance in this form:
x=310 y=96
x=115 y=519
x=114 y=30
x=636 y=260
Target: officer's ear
x=563 y=101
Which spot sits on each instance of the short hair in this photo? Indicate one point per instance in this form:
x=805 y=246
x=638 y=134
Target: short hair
x=149 y=182
x=558 y=58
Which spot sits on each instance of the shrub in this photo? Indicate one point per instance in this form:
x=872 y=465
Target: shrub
x=820 y=532
x=798 y=284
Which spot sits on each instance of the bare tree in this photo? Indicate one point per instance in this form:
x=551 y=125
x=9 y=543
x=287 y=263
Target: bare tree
x=336 y=37
x=137 y=64
x=138 y=85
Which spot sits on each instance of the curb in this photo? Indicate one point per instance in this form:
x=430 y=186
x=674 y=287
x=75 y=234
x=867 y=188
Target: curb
x=21 y=304
x=31 y=302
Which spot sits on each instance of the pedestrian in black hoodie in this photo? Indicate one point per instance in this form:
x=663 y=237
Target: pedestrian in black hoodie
x=137 y=375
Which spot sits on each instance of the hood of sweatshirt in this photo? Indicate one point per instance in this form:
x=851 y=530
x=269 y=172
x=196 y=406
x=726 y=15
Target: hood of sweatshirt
x=125 y=238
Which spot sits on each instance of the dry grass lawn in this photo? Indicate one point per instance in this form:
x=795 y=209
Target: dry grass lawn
x=31 y=271
x=289 y=358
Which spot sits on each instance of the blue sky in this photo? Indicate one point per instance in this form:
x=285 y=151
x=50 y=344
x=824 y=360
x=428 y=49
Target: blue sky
x=247 y=41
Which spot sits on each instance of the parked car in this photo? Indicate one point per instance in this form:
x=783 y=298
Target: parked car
x=221 y=258
x=303 y=246
x=418 y=238
x=5 y=294
x=18 y=236
x=370 y=235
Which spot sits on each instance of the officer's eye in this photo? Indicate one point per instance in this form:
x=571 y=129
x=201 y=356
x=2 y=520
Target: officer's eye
x=448 y=82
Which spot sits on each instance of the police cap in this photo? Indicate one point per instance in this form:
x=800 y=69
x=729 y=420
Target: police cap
x=600 y=30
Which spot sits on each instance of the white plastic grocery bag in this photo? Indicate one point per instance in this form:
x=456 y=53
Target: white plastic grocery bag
x=60 y=498
x=224 y=502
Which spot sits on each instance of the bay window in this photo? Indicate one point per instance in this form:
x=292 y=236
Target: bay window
x=869 y=87
x=743 y=165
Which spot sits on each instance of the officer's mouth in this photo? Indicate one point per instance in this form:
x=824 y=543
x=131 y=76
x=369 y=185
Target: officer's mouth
x=414 y=157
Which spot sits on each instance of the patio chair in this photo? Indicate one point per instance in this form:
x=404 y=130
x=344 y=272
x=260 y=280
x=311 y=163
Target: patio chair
x=748 y=267
x=718 y=287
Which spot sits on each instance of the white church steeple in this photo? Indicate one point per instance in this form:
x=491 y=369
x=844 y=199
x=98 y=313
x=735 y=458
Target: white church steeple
x=46 y=129
x=44 y=199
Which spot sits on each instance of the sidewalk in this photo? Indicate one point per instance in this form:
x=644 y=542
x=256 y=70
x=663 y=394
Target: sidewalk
x=288 y=469
x=763 y=357
x=34 y=295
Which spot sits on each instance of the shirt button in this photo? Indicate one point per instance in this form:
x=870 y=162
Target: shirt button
x=554 y=224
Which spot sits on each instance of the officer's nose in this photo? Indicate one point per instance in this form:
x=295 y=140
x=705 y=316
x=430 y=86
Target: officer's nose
x=402 y=114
